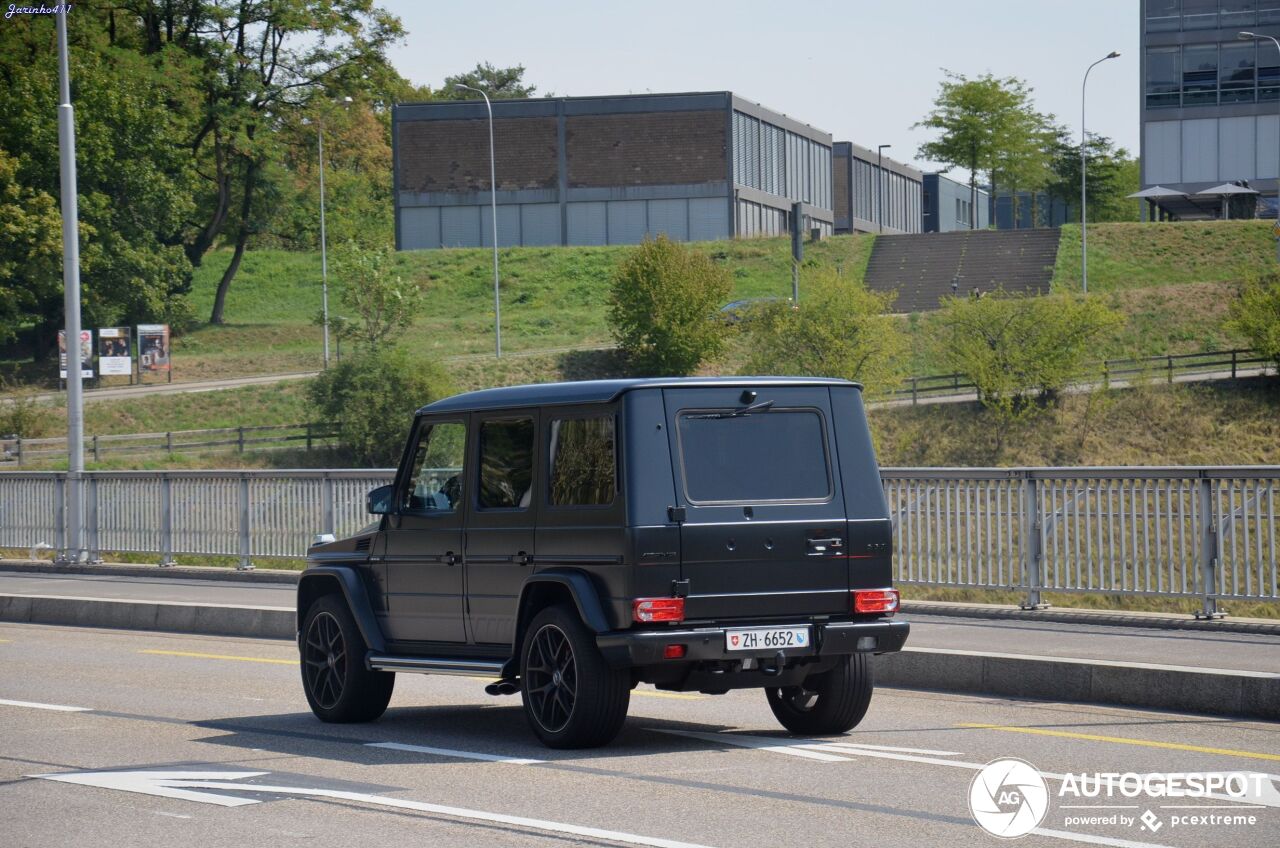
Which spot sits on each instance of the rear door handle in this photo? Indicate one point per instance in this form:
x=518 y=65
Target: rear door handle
x=817 y=547
x=523 y=558
x=450 y=558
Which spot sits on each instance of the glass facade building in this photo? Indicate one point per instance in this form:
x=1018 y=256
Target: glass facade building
x=871 y=190
x=1209 y=100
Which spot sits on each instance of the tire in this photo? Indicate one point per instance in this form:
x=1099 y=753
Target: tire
x=826 y=704
x=572 y=697
x=338 y=686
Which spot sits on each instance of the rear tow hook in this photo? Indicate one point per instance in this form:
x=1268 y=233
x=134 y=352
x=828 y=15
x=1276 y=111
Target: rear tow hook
x=503 y=687
x=779 y=660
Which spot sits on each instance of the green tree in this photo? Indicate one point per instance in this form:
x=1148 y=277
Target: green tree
x=985 y=125
x=662 y=305
x=384 y=302
x=1111 y=176
x=1015 y=347
x=498 y=83
x=839 y=329
x=1255 y=314
x=30 y=250
x=371 y=398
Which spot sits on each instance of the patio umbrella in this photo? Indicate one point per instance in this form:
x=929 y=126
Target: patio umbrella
x=1226 y=191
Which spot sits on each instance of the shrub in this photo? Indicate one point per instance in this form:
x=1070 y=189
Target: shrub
x=662 y=307
x=384 y=303
x=839 y=329
x=371 y=398
x=1255 y=314
x=21 y=414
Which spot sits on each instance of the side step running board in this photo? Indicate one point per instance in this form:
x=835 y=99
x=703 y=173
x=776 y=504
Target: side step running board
x=428 y=665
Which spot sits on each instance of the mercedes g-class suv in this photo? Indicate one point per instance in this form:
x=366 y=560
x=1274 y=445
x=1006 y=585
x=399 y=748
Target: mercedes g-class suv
x=573 y=540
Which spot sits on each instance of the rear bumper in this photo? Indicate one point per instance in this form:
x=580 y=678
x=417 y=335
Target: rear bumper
x=645 y=647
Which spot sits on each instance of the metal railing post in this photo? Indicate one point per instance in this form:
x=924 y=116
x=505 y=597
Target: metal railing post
x=19 y=452
x=95 y=449
x=91 y=516
x=1208 y=550
x=326 y=504
x=166 y=522
x=1032 y=543
x=245 y=563
x=60 y=517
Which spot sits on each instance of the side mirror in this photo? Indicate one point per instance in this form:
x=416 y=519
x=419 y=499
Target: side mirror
x=378 y=502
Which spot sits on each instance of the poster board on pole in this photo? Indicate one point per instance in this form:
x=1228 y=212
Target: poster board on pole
x=86 y=354
x=153 y=350
x=115 y=357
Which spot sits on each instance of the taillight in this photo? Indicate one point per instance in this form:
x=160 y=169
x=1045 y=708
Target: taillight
x=657 y=609
x=883 y=601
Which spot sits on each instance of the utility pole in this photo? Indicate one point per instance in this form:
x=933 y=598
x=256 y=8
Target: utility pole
x=74 y=551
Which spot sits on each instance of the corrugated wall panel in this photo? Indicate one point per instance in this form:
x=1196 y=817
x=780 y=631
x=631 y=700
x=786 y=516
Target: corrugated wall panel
x=1162 y=159
x=587 y=223
x=708 y=219
x=1268 y=144
x=460 y=226
x=627 y=221
x=669 y=217
x=540 y=223
x=419 y=227
x=508 y=226
x=1200 y=150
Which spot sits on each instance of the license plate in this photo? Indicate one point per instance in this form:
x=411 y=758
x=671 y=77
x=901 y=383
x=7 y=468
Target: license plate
x=766 y=639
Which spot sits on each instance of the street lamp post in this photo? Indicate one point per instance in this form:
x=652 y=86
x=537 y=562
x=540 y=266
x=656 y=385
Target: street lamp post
x=493 y=196
x=1249 y=36
x=71 y=295
x=324 y=244
x=1084 y=212
x=880 y=185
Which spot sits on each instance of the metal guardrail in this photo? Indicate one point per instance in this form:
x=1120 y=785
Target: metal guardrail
x=1205 y=533
x=267 y=437
x=1167 y=366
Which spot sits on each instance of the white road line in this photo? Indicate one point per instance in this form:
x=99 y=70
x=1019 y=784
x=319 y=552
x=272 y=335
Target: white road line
x=857 y=746
x=1094 y=840
x=55 y=707
x=450 y=752
x=760 y=742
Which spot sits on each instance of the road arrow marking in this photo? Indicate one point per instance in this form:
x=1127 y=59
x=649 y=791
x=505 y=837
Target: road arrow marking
x=181 y=785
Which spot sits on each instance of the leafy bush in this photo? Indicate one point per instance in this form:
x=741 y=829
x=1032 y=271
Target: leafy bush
x=371 y=398
x=384 y=302
x=1256 y=315
x=839 y=329
x=1014 y=347
x=21 y=415
x=662 y=307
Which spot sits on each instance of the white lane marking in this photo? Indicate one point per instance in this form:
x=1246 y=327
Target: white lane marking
x=173 y=784
x=856 y=746
x=450 y=752
x=1094 y=840
x=1189 y=669
x=55 y=707
x=760 y=742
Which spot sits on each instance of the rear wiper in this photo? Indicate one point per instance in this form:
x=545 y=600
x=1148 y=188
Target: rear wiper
x=762 y=406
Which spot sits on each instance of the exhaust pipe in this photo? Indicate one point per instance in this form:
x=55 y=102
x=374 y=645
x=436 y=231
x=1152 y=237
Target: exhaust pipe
x=503 y=687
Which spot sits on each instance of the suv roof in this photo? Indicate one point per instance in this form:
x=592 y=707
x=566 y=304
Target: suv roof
x=604 y=391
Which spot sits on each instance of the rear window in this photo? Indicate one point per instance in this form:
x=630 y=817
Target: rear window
x=774 y=455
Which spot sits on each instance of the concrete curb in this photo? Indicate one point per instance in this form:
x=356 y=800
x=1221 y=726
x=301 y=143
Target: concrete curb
x=1111 y=618
x=1252 y=694
x=1213 y=692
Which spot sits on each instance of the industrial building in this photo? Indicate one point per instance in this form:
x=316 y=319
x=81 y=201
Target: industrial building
x=605 y=170
x=1209 y=102
x=874 y=193
x=1025 y=210
x=947 y=205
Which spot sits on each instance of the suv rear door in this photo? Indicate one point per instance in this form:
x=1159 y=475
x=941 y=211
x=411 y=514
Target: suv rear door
x=764 y=527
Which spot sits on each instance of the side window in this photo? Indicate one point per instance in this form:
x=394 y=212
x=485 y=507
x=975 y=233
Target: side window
x=506 y=463
x=583 y=461
x=435 y=484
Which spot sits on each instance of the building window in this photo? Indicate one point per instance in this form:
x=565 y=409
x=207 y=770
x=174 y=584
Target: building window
x=1236 y=73
x=1163 y=15
x=1200 y=75
x=1199 y=14
x=1237 y=13
x=1163 y=80
x=1268 y=12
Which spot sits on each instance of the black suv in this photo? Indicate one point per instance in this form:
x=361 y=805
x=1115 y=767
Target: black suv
x=573 y=540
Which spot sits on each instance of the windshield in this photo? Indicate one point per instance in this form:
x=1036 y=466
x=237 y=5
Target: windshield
x=771 y=455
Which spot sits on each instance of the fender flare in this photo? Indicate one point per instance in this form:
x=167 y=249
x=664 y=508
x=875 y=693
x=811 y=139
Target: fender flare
x=585 y=598
x=354 y=593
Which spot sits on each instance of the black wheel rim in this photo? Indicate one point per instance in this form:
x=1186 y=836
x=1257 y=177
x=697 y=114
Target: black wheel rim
x=324 y=656
x=551 y=678
x=799 y=698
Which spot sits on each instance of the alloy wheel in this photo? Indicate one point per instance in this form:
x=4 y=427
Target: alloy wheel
x=325 y=655
x=551 y=678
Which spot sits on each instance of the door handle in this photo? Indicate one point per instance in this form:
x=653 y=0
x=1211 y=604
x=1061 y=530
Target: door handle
x=523 y=558
x=450 y=558
x=818 y=547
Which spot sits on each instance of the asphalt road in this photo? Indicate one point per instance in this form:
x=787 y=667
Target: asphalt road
x=688 y=769
x=1207 y=649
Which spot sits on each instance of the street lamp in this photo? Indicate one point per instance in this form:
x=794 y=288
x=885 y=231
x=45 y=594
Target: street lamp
x=1084 y=213
x=324 y=250
x=1249 y=36
x=880 y=184
x=493 y=195
x=71 y=295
